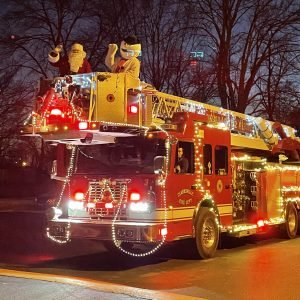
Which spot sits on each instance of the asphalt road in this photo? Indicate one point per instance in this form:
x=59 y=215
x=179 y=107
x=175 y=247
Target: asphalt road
x=263 y=268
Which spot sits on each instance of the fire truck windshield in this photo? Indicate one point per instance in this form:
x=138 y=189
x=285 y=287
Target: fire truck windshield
x=128 y=154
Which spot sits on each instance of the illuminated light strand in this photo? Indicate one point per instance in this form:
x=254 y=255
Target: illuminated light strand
x=208 y=196
x=282 y=168
x=32 y=114
x=69 y=173
x=48 y=105
x=292 y=199
x=248 y=158
x=198 y=156
x=238 y=228
x=84 y=154
x=272 y=221
x=229 y=117
x=65 y=239
x=221 y=126
x=290 y=189
x=118 y=242
x=162 y=182
x=75 y=111
x=67 y=236
x=124 y=124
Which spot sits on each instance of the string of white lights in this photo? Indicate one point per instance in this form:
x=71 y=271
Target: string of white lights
x=66 y=238
x=162 y=182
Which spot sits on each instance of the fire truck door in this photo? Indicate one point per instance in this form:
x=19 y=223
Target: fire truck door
x=216 y=168
x=183 y=179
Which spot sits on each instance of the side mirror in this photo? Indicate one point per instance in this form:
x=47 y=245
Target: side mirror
x=159 y=164
x=53 y=169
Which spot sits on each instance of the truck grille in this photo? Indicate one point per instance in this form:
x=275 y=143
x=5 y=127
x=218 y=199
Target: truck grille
x=106 y=191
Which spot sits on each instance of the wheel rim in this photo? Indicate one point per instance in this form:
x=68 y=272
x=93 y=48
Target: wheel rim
x=208 y=233
x=291 y=220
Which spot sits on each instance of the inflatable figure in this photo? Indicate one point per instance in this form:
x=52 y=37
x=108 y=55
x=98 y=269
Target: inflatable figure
x=73 y=63
x=130 y=49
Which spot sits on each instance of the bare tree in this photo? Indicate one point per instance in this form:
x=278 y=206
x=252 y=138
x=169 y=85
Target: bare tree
x=277 y=88
x=14 y=108
x=30 y=29
x=169 y=39
x=242 y=38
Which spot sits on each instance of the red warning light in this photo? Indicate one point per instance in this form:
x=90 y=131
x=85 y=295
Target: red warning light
x=83 y=125
x=133 y=109
x=55 y=112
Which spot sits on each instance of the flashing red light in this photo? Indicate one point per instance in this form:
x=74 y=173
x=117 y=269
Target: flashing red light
x=133 y=109
x=134 y=196
x=260 y=223
x=83 y=125
x=79 y=196
x=55 y=112
x=164 y=231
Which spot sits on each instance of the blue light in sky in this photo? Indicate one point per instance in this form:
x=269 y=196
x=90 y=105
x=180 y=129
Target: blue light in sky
x=197 y=54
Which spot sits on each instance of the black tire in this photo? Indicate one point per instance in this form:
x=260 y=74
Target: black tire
x=207 y=233
x=290 y=227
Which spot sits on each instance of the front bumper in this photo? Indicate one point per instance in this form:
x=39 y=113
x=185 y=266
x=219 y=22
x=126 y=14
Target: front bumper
x=136 y=232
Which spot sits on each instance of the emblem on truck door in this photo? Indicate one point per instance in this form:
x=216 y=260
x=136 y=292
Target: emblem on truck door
x=219 y=186
x=185 y=197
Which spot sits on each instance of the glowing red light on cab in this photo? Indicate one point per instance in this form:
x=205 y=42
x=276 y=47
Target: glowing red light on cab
x=260 y=223
x=134 y=196
x=79 y=196
x=133 y=109
x=164 y=231
x=55 y=112
x=83 y=125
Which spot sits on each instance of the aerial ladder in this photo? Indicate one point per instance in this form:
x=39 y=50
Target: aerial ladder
x=70 y=107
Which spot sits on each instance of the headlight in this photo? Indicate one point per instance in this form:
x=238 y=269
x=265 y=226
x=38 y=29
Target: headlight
x=140 y=206
x=53 y=213
x=76 y=204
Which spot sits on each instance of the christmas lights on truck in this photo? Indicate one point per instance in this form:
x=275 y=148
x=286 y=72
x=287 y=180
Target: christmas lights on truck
x=140 y=167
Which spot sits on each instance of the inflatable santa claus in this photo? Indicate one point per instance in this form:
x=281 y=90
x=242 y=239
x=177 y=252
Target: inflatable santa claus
x=74 y=62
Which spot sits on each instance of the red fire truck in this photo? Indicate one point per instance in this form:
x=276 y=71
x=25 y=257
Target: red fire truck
x=121 y=184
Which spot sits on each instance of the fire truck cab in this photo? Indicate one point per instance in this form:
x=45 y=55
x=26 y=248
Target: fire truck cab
x=126 y=190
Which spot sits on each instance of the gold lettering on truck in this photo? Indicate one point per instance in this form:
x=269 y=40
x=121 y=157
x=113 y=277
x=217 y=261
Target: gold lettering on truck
x=185 y=197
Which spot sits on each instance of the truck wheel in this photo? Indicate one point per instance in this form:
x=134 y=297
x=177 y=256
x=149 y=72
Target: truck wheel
x=290 y=227
x=207 y=234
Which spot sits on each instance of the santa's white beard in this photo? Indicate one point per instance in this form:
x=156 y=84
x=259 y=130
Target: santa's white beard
x=75 y=61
